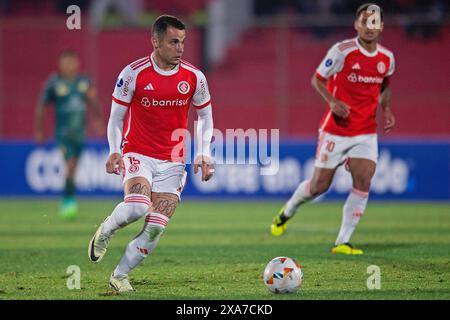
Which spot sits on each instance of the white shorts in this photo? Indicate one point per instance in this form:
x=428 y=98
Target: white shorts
x=333 y=151
x=163 y=175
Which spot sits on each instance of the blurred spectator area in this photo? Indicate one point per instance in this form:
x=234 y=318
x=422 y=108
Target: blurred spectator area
x=262 y=80
x=57 y=7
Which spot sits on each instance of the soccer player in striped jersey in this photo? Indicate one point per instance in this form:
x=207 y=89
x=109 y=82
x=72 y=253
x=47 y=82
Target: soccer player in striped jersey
x=150 y=102
x=352 y=79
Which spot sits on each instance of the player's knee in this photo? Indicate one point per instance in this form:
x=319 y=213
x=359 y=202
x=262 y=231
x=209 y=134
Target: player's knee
x=138 y=206
x=362 y=183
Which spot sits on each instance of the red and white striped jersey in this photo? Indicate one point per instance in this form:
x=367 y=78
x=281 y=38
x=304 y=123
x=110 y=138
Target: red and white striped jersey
x=355 y=77
x=158 y=103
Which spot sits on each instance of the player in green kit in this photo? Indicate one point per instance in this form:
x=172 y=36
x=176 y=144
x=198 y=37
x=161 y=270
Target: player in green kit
x=69 y=92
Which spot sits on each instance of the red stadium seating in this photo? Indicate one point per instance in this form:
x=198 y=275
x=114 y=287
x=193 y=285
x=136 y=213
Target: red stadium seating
x=251 y=90
x=421 y=90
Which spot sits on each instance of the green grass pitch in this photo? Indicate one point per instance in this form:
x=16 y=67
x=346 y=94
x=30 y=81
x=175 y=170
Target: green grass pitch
x=218 y=250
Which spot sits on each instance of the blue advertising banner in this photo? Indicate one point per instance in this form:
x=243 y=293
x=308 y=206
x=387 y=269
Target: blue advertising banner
x=406 y=170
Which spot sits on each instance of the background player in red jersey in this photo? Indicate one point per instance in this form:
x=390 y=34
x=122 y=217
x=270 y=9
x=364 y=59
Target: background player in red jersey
x=150 y=102
x=353 y=79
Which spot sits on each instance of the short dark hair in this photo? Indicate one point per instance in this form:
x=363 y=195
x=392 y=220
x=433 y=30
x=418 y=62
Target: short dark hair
x=68 y=53
x=162 y=22
x=365 y=6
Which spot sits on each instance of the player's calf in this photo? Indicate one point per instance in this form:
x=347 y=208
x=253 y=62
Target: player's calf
x=155 y=224
x=134 y=207
x=353 y=210
x=143 y=244
x=318 y=187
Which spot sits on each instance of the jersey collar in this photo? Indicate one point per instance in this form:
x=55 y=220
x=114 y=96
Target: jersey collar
x=161 y=71
x=364 y=51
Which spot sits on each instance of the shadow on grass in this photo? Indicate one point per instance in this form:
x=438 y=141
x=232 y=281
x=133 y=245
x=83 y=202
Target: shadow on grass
x=380 y=247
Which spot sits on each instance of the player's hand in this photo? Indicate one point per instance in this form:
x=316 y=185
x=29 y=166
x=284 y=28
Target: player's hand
x=339 y=108
x=389 y=120
x=206 y=165
x=114 y=164
x=39 y=137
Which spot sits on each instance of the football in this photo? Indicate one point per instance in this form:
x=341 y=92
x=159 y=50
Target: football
x=283 y=275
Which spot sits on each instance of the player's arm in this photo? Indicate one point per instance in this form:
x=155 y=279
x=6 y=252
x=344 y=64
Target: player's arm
x=204 y=135
x=121 y=101
x=94 y=103
x=385 y=98
x=330 y=65
x=385 y=102
x=45 y=99
x=114 y=133
x=202 y=102
x=338 y=107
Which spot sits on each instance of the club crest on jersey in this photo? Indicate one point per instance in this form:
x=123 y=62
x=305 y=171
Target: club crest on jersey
x=183 y=87
x=381 y=67
x=133 y=168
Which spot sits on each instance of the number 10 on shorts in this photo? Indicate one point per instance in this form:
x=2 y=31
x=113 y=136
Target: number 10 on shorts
x=330 y=146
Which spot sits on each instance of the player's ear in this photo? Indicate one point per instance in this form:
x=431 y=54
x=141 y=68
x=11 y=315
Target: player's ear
x=355 y=24
x=155 y=41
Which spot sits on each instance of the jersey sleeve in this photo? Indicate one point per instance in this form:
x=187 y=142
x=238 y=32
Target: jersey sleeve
x=332 y=63
x=391 y=69
x=125 y=87
x=201 y=96
x=48 y=93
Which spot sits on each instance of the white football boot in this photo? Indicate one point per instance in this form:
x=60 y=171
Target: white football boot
x=120 y=283
x=98 y=245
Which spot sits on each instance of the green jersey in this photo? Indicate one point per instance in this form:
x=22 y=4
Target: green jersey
x=69 y=100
